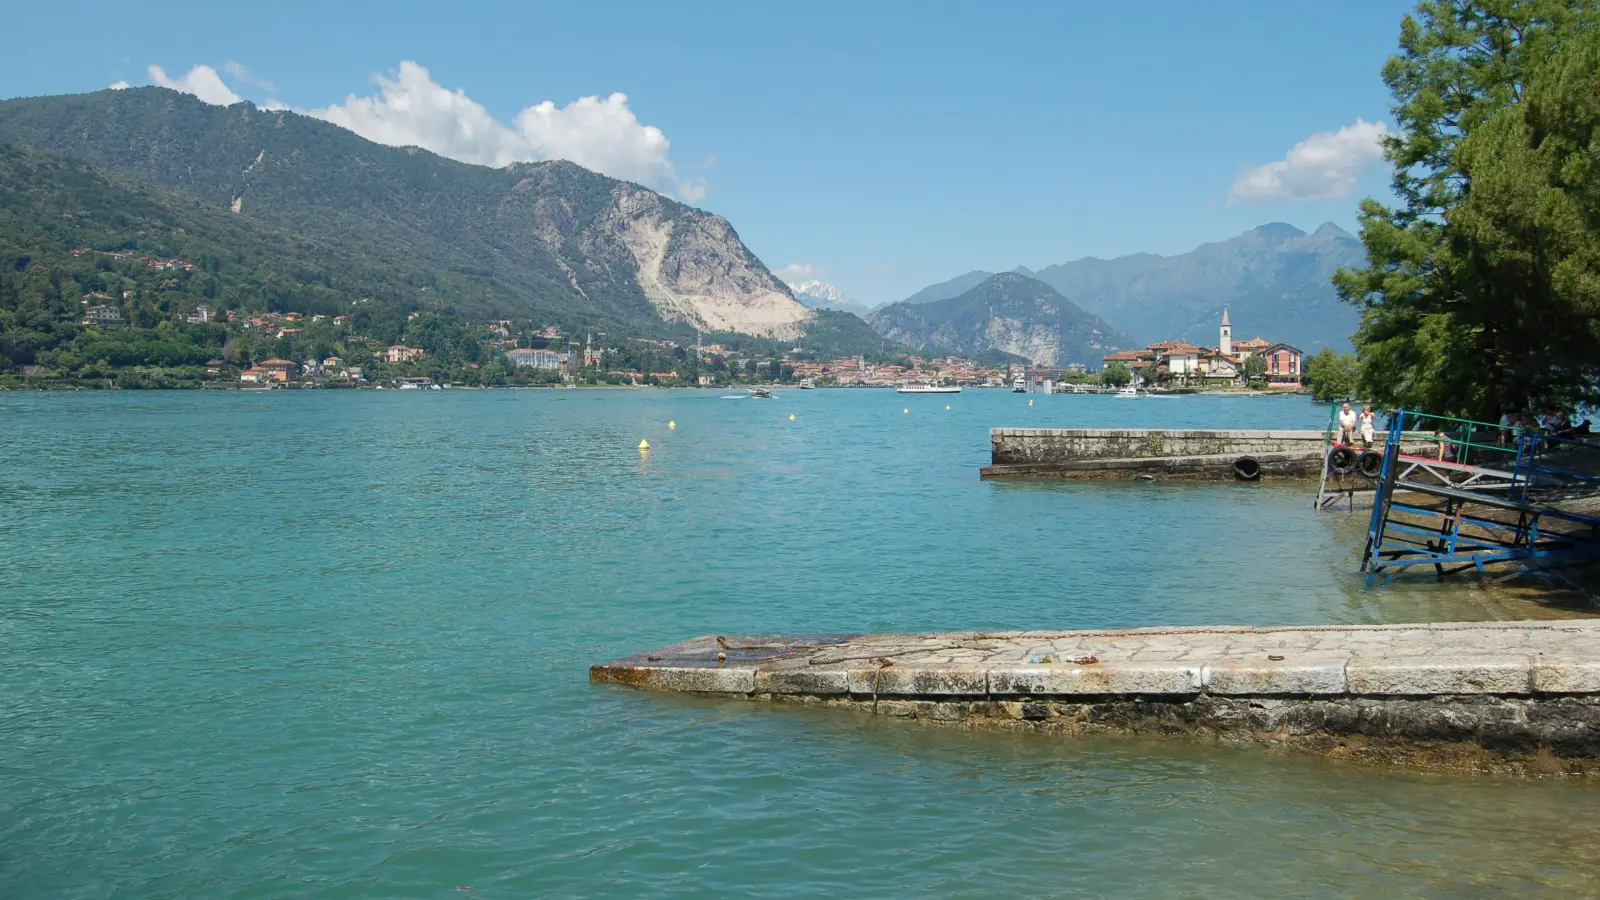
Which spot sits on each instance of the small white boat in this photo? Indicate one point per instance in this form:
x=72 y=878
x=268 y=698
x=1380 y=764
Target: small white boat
x=808 y=385
x=920 y=388
x=761 y=392
x=1129 y=390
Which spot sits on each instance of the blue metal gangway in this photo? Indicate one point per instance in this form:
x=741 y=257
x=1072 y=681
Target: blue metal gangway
x=1484 y=499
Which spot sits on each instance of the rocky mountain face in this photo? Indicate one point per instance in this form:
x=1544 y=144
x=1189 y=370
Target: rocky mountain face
x=822 y=295
x=546 y=239
x=1007 y=313
x=1274 y=278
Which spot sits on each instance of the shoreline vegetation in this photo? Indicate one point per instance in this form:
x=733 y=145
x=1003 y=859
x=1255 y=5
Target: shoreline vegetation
x=41 y=385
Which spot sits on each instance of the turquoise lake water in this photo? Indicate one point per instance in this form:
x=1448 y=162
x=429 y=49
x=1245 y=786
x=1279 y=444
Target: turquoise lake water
x=334 y=644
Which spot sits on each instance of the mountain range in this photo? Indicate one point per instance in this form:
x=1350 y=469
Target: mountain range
x=822 y=295
x=1274 y=279
x=550 y=241
x=1009 y=314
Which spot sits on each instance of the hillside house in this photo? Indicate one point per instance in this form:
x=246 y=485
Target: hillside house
x=200 y=315
x=102 y=316
x=402 y=354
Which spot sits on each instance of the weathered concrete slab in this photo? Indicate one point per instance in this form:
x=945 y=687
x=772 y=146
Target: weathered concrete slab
x=1166 y=454
x=1511 y=693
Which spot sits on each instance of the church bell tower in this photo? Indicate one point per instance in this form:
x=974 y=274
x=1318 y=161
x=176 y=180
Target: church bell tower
x=1225 y=335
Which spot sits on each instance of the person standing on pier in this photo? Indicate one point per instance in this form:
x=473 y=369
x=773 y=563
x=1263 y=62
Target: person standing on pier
x=1347 y=425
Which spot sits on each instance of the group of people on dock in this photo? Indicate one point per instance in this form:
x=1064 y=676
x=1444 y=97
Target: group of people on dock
x=1352 y=423
x=1515 y=424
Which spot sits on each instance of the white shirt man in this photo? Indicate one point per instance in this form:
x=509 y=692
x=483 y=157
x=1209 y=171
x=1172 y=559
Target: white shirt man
x=1347 y=424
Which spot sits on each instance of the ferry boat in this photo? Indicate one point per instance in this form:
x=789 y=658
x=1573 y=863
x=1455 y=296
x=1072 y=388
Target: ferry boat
x=917 y=387
x=1019 y=385
x=808 y=385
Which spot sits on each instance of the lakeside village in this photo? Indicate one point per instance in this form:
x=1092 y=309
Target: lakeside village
x=1174 y=366
x=151 y=326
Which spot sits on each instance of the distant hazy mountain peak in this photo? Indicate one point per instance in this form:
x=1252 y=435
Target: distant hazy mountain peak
x=1280 y=230
x=1009 y=314
x=1276 y=278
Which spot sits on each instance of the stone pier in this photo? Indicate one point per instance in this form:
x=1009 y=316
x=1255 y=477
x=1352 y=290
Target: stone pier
x=1495 y=696
x=1163 y=453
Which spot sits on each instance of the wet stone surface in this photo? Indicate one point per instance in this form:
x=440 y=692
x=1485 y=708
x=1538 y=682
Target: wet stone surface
x=1490 y=696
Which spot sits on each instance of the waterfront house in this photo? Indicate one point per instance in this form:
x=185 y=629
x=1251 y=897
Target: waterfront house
x=1283 y=364
x=278 y=369
x=1214 y=364
x=403 y=354
x=532 y=358
x=1181 y=360
x=255 y=375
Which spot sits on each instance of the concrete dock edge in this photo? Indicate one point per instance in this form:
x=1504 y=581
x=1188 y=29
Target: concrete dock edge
x=1513 y=697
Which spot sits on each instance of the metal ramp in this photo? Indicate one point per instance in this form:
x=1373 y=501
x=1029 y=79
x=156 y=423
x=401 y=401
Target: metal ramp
x=1483 y=501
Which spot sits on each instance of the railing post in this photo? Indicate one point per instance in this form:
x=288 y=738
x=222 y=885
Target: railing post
x=1516 y=470
x=1383 y=491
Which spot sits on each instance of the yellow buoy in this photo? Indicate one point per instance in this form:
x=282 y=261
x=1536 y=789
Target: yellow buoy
x=791 y=417
x=672 y=425
x=906 y=411
x=644 y=446
x=1030 y=402
x=947 y=406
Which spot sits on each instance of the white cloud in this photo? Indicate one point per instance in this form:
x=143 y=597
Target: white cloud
x=1324 y=166
x=602 y=134
x=795 y=272
x=120 y=86
x=201 y=81
x=240 y=73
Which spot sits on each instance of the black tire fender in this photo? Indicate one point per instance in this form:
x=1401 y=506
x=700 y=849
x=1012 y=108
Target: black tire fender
x=1247 y=468
x=1342 y=460
x=1369 y=464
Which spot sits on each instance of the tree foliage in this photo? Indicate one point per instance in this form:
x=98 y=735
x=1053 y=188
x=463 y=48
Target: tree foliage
x=1331 y=376
x=1482 y=288
x=1116 y=375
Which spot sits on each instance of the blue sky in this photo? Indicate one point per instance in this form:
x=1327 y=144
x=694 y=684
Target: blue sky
x=884 y=145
